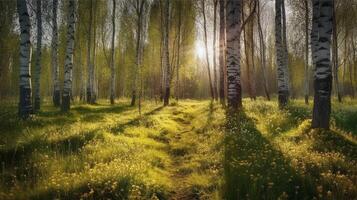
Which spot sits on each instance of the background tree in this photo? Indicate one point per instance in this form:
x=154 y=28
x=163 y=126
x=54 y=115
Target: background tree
x=203 y=10
x=222 y=55
x=37 y=95
x=112 y=63
x=54 y=56
x=166 y=56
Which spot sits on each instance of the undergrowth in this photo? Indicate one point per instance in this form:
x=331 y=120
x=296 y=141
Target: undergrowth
x=188 y=150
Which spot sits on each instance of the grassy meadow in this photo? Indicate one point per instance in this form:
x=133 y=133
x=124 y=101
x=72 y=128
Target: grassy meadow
x=188 y=150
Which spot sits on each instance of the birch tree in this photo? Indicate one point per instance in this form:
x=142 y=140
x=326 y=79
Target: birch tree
x=68 y=67
x=222 y=46
x=90 y=78
x=233 y=26
x=306 y=75
x=54 y=57
x=25 y=104
x=166 y=56
x=179 y=41
x=215 y=4
x=112 y=61
x=37 y=80
x=283 y=87
x=322 y=73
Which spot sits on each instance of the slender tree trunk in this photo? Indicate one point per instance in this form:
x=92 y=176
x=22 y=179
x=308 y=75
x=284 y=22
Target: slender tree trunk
x=285 y=50
x=112 y=62
x=178 y=51
x=222 y=46
x=351 y=67
x=248 y=62
x=206 y=48
x=345 y=62
x=215 y=83
x=323 y=75
x=54 y=57
x=233 y=55
x=137 y=74
x=166 y=53
x=68 y=68
x=25 y=104
x=89 y=45
x=306 y=77
x=37 y=77
x=283 y=91
x=335 y=55
x=93 y=62
x=162 y=25
x=263 y=55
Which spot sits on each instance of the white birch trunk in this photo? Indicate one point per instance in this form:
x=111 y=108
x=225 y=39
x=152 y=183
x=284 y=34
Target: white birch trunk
x=280 y=56
x=233 y=26
x=323 y=72
x=68 y=68
x=25 y=104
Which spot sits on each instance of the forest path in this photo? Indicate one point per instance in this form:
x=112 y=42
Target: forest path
x=193 y=175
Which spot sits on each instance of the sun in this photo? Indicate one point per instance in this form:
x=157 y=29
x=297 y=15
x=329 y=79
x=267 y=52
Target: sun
x=200 y=50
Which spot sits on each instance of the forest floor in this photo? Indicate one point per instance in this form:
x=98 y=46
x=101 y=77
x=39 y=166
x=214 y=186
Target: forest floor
x=188 y=150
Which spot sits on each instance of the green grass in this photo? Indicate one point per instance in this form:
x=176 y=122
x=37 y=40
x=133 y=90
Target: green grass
x=187 y=150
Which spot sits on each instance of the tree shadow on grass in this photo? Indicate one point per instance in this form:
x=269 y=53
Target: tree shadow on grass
x=102 y=109
x=255 y=169
x=120 y=127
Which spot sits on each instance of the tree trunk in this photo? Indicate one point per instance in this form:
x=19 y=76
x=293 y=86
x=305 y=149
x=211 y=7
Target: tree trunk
x=162 y=27
x=89 y=45
x=215 y=3
x=37 y=77
x=322 y=75
x=222 y=56
x=112 y=62
x=166 y=53
x=249 y=49
x=262 y=55
x=25 y=104
x=206 y=47
x=54 y=57
x=335 y=55
x=93 y=62
x=306 y=77
x=283 y=90
x=68 y=68
x=178 y=51
x=233 y=55
x=247 y=57
x=285 y=50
